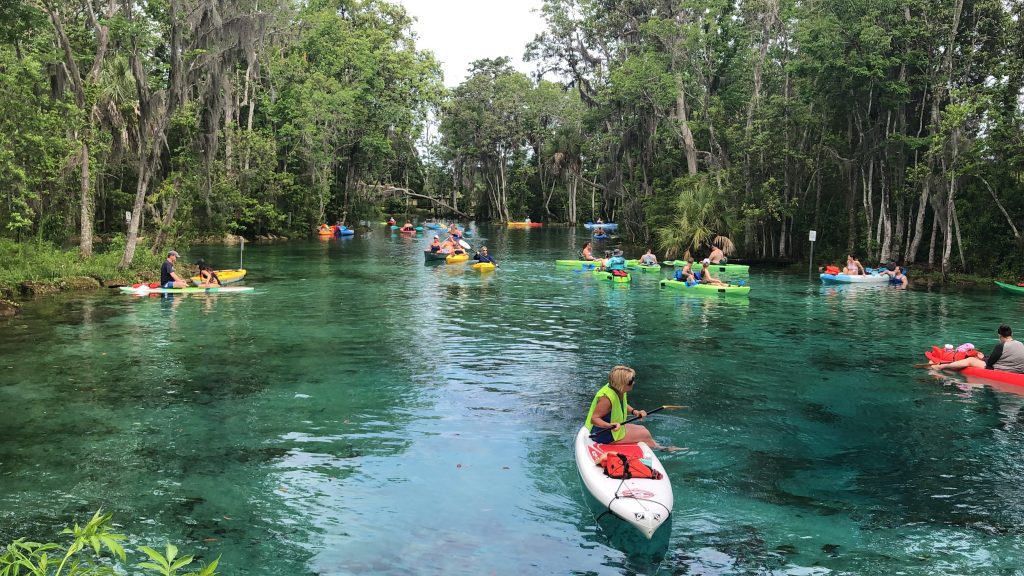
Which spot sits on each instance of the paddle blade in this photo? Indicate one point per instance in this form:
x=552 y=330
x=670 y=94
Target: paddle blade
x=465 y=244
x=672 y=407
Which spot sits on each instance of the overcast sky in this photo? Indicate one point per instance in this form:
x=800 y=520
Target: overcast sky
x=461 y=31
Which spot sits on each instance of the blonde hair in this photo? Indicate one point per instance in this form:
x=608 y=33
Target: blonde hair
x=620 y=377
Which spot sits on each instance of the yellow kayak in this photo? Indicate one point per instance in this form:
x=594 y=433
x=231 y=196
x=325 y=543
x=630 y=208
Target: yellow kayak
x=455 y=258
x=226 y=276
x=484 y=266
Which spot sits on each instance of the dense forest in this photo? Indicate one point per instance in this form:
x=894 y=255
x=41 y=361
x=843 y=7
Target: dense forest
x=894 y=129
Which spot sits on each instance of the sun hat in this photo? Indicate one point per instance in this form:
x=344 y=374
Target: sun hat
x=173 y=253
x=617 y=252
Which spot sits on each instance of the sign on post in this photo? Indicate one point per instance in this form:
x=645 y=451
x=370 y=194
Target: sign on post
x=811 y=236
x=128 y=217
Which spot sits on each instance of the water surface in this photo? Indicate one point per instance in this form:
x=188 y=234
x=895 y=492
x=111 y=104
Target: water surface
x=364 y=413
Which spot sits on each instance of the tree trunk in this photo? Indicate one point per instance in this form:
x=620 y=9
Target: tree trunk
x=86 y=202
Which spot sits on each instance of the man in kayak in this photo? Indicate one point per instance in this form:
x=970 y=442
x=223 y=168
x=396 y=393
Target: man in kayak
x=717 y=256
x=168 y=277
x=610 y=409
x=483 y=256
x=649 y=259
x=407 y=227
x=1007 y=356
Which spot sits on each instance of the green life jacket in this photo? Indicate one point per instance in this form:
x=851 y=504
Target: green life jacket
x=618 y=413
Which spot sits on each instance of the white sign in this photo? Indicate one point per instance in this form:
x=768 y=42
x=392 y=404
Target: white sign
x=127 y=216
x=813 y=235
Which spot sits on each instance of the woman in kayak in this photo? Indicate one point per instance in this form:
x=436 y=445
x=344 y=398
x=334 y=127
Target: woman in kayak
x=705 y=275
x=610 y=409
x=1007 y=356
x=853 y=266
x=207 y=277
x=407 y=227
x=435 y=246
x=587 y=253
x=616 y=264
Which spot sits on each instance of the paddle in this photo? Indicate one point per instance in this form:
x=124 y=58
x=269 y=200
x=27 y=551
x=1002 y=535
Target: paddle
x=635 y=418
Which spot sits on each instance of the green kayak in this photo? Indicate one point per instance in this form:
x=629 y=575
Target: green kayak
x=1011 y=287
x=605 y=275
x=635 y=264
x=714 y=268
x=730 y=290
x=586 y=264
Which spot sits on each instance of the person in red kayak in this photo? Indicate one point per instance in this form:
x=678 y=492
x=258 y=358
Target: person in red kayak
x=1007 y=356
x=610 y=409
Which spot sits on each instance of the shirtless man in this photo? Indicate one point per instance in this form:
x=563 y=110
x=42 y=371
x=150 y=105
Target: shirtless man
x=717 y=256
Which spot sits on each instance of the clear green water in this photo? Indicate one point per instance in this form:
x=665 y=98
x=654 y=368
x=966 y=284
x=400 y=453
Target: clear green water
x=363 y=413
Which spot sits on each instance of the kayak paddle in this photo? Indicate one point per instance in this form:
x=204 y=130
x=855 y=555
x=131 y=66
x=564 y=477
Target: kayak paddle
x=635 y=418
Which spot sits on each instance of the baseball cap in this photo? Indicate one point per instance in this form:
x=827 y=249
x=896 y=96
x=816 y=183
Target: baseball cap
x=173 y=253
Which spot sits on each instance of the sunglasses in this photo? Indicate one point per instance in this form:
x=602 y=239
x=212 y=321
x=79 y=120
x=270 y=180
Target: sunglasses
x=631 y=380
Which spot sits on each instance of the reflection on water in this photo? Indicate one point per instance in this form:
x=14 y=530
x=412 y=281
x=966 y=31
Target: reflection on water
x=362 y=412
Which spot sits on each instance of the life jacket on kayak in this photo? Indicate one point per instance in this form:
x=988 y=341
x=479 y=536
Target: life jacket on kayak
x=946 y=356
x=625 y=466
x=833 y=270
x=619 y=273
x=617 y=414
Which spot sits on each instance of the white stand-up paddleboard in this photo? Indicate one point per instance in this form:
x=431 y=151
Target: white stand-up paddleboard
x=643 y=502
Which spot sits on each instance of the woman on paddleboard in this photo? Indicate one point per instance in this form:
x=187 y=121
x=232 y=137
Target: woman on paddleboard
x=610 y=409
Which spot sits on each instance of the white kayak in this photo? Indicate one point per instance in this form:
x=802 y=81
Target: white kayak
x=858 y=279
x=643 y=502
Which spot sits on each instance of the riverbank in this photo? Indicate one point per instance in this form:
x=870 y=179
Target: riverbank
x=34 y=268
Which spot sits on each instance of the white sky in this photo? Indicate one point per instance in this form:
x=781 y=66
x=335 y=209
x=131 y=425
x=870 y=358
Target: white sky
x=461 y=31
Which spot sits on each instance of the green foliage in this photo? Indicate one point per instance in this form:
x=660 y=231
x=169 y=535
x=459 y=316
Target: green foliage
x=44 y=263
x=93 y=551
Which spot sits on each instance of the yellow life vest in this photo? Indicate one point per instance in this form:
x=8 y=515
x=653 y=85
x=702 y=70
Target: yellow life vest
x=617 y=414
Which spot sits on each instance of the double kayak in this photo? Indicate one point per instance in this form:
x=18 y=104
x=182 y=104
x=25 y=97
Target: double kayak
x=606 y=275
x=585 y=264
x=643 y=267
x=456 y=258
x=429 y=256
x=608 y=226
x=937 y=355
x=729 y=290
x=484 y=266
x=145 y=289
x=644 y=503
x=226 y=276
x=1011 y=288
x=714 y=268
x=858 y=279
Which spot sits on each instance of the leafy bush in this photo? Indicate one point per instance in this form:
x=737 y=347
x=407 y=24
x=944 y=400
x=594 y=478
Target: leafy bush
x=84 y=556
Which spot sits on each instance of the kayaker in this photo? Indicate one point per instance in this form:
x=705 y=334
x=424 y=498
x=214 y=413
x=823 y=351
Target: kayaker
x=454 y=232
x=898 y=277
x=392 y=221
x=407 y=227
x=616 y=264
x=599 y=233
x=208 y=278
x=685 y=274
x=649 y=259
x=448 y=246
x=168 y=277
x=717 y=256
x=483 y=256
x=705 y=274
x=853 y=266
x=587 y=253
x=610 y=409
x=435 y=245
x=1007 y=356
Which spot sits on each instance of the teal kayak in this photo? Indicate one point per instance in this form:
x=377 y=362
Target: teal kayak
x=730 y=290
x=143 y=290
x=606 y=275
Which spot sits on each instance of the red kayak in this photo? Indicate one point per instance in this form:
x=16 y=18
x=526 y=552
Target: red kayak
x=937 y=354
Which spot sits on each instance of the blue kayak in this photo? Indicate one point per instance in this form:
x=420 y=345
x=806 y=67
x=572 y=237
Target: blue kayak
x=608 y=226
x=600 y=236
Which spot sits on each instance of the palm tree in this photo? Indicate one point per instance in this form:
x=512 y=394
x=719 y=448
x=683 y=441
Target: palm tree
x=700 y=219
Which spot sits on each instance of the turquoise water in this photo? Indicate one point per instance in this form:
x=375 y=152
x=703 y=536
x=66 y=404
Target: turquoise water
x=364 y=413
